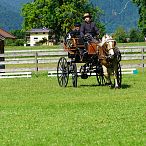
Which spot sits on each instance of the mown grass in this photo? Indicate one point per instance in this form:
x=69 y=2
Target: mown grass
x=11 y=48
x=37 y=111
x=132 y=44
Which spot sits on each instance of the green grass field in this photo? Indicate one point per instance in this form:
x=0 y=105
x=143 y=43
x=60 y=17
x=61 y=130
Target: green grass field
x=10 y=48
x=37 y=112
x=131 y=44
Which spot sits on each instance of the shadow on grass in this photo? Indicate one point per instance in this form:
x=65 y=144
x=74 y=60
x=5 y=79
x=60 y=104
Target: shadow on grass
x=78 y=86
x=92 y=85
x=124 y=86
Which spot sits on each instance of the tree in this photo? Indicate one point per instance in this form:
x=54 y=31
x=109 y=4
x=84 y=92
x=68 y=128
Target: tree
x=19 y=34
x=120 y=35
x=135 y=35
x=58 y=15
x=142 y=12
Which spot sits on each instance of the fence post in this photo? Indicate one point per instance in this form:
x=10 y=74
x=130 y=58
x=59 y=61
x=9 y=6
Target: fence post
x=36 y=62
x=143 y=60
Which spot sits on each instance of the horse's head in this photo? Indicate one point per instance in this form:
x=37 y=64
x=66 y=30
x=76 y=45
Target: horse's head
x=109 y=44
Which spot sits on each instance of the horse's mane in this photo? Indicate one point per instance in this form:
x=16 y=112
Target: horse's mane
x=102 y=51
x=105 y=38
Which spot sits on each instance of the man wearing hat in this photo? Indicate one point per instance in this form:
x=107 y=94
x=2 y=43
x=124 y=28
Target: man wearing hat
x=76 y=29
x=88 y=27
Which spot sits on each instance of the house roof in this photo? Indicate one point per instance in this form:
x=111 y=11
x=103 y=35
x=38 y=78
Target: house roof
x=4 y=34
x=1 y=37
x=39 y=30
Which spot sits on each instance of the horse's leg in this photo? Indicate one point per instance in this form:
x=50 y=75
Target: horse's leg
x=115 y=76
x=106 y=73
x=109 y=73
x=116 y=82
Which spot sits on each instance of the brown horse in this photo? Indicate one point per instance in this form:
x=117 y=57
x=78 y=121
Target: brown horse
x=109 y=57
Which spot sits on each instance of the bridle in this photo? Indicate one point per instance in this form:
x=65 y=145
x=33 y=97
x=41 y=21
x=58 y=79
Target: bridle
x=106 y=50
x=107 y=42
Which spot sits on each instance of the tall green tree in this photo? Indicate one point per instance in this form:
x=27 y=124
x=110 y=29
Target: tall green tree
x=59 y=15
x=142 y=12
x=19 y=34
x=120 y=35
x=135 y=35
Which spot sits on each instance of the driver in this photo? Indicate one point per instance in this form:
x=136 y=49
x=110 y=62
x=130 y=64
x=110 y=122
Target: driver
x=88 y=27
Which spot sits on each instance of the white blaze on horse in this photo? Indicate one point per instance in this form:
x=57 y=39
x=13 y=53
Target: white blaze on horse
x=109 y=57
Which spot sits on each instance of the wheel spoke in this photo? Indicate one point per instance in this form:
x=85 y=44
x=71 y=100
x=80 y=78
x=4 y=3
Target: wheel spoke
x=74 y=75
x=119 y=75
x=100 y=76
x=65 y=80
x=62 y=72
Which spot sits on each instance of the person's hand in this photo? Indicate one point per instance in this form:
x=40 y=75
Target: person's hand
x=98 y=35
x=88 y=36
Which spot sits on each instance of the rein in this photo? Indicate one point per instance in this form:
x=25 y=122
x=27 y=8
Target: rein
x=103 y=53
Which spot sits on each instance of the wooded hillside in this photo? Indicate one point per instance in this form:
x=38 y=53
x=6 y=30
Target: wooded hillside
x=118 y=13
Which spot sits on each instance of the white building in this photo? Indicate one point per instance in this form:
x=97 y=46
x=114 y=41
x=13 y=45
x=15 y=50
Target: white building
x=38 y=37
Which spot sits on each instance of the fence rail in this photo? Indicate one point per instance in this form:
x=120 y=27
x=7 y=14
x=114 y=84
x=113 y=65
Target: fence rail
x=36 y=58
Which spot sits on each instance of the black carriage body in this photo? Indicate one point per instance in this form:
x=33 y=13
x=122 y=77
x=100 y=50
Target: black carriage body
x=79 y=50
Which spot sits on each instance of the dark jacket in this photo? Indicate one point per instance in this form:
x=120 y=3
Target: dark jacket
x=89 y=28
x=72 y=34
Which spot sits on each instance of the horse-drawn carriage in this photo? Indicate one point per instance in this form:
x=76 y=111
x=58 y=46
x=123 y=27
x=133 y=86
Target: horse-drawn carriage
x=89 y=53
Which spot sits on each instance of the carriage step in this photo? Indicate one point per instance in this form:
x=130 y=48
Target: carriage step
x=54 y=73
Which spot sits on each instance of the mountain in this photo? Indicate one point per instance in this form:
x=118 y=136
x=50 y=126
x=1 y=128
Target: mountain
x=116 y=13
x=10 y=14
x=9 y=17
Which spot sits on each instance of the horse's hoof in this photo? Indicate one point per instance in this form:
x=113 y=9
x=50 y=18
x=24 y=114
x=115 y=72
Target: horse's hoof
x=117 y=87
x=108 y=84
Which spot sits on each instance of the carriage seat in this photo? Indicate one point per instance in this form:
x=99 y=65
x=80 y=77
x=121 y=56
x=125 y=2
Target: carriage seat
x=74 y=41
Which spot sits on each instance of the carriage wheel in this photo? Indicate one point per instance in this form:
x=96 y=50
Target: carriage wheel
x=100 y=76
x=62 y=72
x=119 y=75
x=74 y=75
x=100 y=80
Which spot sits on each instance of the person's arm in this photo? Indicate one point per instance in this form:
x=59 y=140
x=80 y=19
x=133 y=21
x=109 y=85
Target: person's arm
x=82 y=30
x=96 y=29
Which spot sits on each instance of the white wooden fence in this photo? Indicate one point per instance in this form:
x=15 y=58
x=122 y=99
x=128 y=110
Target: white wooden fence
x=16 y=75
x=30 y=60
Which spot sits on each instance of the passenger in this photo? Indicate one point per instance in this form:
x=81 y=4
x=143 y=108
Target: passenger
x=75 y=31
